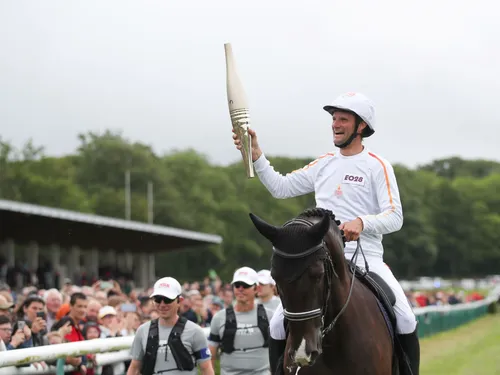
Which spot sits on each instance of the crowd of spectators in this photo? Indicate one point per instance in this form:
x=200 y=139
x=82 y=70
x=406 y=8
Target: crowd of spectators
x=110 y=308
x=441 y=297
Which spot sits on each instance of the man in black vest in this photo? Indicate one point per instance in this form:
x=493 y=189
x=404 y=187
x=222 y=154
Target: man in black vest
x=241 y=332
x=169 y=344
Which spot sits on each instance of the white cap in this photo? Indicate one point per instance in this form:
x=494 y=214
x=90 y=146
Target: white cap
x=106 y=310
x=265 y=277
x=357 y=103
x=193 y=292
x=167 y=287
x=245 y=275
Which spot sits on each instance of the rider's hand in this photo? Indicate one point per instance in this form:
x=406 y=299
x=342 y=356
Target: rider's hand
x=352 y=229
x=256 y=151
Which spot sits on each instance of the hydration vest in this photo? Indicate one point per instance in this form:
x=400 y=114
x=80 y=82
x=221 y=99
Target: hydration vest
x=230 y=328
x=182 y=357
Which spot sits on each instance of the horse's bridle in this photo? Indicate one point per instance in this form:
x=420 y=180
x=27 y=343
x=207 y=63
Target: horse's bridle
x=329 y=266
x=311 y=314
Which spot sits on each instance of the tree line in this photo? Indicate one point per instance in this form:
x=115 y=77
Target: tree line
x=451 y=206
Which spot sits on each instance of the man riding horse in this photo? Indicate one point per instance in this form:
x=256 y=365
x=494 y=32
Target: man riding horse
x=360 y=187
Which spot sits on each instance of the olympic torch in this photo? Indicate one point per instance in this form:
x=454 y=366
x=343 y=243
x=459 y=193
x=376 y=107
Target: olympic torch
x=238 y=110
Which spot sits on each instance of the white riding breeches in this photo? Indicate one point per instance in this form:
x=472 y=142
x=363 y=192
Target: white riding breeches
x=406 y=320
x=276 y=325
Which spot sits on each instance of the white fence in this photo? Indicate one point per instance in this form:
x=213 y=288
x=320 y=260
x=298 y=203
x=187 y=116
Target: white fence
x=115 y=350
x=111 y=350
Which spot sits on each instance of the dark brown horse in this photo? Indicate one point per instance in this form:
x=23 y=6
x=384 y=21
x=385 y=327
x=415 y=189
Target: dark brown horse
x=335 y=323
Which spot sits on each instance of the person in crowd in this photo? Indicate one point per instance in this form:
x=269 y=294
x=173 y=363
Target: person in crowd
x=20 y=339
x=186 y=308
x=78 y=308
x=241 y=332
x=6 y=307
x=33 y=313
x=93 y=308
x=216 y=305
x=53 y=301
x=203 y=316
x=266 y=291
x=151 y=351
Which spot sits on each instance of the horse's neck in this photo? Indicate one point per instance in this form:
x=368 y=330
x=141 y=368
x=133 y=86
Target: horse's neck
x=339 y=293
x=338 y=297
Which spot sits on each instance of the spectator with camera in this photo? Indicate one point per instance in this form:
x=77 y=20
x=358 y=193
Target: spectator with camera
x=17 y=336
x=33 y=313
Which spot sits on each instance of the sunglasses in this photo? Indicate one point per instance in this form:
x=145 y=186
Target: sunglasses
x=239 y=284
x=159 y=299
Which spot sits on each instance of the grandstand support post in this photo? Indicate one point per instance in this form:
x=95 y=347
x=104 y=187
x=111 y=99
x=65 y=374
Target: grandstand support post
x=111 y=258
x=129 y=261
x=55 y=255
x=143 y=270
x=151 y=269
x=32 y=257
x=91 y=262
x=8 y=250
x=120 y=263
x=55 y=260
x=74 y=263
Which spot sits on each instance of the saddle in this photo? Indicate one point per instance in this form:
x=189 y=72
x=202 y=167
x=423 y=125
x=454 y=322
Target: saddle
x=384 y=294
x=386 y=301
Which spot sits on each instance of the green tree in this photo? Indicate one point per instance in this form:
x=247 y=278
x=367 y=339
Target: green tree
x=451 y=206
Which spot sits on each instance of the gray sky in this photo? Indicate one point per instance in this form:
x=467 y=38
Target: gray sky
x=157 y=71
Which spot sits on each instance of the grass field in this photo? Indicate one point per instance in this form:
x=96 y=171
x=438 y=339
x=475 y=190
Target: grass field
x=473 y=349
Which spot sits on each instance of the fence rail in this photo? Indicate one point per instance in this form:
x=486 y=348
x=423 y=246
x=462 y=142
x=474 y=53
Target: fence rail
x=436 y=319
x=432 y=320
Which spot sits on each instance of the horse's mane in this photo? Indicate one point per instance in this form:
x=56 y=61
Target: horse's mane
x=319 y=213
x=294 y=238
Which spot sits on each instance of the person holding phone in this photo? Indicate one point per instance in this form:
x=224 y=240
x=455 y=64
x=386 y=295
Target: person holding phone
x=21 y=338
x=34 y=314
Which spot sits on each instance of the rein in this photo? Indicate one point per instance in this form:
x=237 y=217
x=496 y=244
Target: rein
x=330 y=269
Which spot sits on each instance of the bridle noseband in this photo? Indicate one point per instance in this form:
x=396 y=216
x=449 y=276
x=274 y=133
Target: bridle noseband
x=329 y=272
x=315 y=313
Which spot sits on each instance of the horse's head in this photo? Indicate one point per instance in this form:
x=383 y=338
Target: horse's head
x=306 y=251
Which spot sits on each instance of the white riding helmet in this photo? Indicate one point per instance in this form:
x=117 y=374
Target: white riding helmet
x=360 y=105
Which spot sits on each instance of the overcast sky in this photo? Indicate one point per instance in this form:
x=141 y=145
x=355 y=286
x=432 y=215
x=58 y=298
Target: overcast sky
x=157 y=72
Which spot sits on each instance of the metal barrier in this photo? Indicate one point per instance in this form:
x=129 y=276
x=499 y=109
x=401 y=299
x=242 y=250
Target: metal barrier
x=432 y=320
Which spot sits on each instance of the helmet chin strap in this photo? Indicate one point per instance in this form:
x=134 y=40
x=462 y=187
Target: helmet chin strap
x=351 y=138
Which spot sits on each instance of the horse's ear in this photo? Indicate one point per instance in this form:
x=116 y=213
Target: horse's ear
x=319 y=230
x=267 y=230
